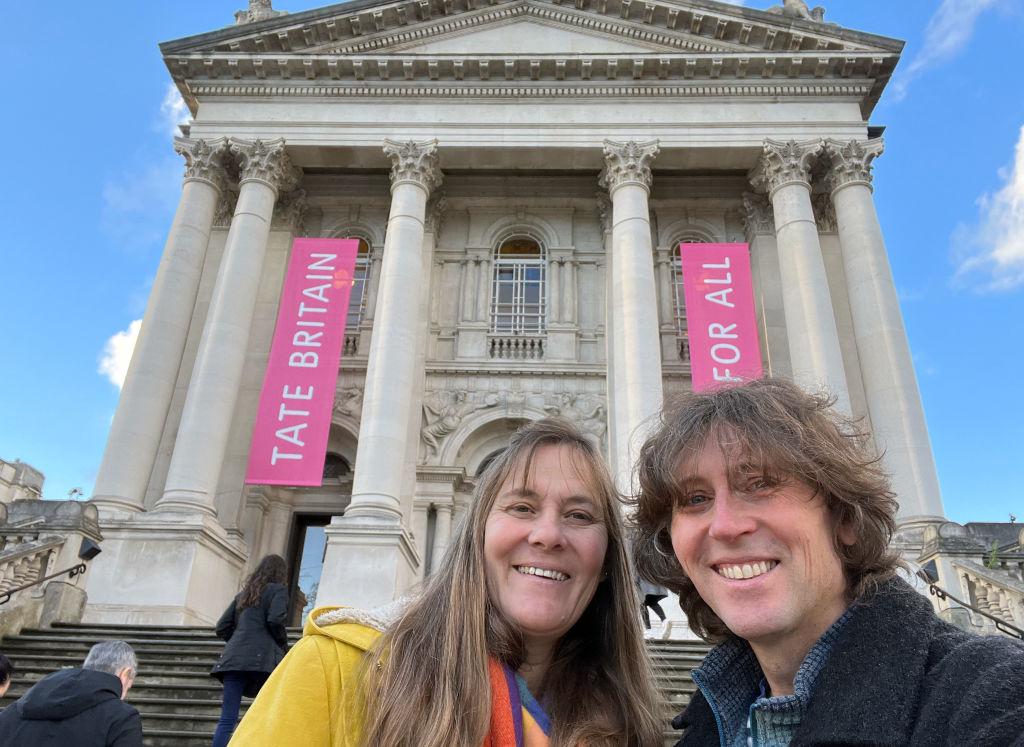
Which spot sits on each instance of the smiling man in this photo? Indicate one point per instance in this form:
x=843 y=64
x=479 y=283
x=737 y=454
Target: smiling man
x=766 y=512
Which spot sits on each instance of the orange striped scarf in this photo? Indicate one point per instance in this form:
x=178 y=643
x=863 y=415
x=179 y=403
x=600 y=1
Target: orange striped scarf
x=517 y=719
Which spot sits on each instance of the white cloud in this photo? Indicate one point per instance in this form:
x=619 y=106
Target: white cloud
x=996 y=246
x=117 y=354
x=947 y=34
x=173 y=111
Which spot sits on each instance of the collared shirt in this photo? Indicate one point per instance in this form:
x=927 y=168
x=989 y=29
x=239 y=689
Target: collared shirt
x=734 y=685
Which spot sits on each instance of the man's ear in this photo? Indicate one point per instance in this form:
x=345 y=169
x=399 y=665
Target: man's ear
x=127 y=679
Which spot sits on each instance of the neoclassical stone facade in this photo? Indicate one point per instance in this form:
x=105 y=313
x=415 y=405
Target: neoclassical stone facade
x=520 y=174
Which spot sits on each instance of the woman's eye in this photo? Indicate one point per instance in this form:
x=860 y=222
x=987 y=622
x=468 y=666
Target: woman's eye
x=581 y=516
x=520 y=508
x=692 y=502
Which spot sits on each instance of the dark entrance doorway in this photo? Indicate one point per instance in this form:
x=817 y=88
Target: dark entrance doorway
x=306 y=560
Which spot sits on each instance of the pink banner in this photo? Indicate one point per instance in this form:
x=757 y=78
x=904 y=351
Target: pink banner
x=720 y=315
x=289 y=440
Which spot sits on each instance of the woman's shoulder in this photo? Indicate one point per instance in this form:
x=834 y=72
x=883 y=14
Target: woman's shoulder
x=347 y=626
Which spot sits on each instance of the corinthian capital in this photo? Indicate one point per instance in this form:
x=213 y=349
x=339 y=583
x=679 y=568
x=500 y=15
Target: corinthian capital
x=414 y=162
x=757 y=215
x=784 y=163
x=265 y=161
x=627 y=163
x=204 y=160
x=851 y=161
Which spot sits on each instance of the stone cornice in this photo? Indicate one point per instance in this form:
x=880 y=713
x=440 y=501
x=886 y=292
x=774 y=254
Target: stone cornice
x=794 y=89
x=729 y=68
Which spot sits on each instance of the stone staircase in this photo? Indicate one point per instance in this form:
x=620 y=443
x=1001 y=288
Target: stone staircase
x=180 y=702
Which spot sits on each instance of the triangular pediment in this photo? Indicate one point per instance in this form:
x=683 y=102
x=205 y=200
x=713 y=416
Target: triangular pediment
x=375 y=42
x=529 y=37
x=453 y=27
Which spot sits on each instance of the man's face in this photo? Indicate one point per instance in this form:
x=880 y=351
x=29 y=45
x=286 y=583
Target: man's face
x=761 y=556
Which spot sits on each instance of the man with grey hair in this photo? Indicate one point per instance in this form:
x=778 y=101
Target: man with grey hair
x=84 y=707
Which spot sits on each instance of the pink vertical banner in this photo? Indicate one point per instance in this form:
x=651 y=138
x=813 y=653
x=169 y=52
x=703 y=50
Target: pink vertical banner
x=289 y=440
x=720 y=315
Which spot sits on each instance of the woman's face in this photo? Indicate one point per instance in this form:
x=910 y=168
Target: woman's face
x=545 y=542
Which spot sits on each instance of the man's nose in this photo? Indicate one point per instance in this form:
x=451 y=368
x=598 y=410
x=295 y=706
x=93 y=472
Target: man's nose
x=731 y=517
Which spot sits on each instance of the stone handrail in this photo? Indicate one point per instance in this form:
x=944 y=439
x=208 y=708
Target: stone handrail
x=990 y=622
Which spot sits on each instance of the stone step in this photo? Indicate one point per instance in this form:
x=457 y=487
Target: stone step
x=180 y=702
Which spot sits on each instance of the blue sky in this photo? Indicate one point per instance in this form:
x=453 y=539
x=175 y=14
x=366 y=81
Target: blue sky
x=92 y=184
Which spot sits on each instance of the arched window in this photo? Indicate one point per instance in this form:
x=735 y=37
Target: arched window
x=357 y=300
x=335 y=465
x=519 y=292
x=678 y=296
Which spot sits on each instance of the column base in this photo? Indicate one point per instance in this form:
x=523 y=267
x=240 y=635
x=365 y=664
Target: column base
x=115 y=508
x=369 y=561
x=180 y=501
x=166 y=568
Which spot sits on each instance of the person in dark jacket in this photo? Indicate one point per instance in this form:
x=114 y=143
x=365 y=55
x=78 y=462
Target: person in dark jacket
x=81 y=707
x=6 y=672
x=766 y=511
x=254 y=627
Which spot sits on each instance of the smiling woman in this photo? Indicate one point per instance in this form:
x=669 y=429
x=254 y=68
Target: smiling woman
x=526 y=636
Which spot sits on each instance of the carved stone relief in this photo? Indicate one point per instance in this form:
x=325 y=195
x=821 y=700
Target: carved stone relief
x=443 y=413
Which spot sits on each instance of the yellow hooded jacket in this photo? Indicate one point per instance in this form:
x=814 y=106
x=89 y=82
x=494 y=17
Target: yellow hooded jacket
x=310 y=700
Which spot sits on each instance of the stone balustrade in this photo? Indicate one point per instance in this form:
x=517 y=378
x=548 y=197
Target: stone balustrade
x=993 y=591
x=39 y=538
x=515 y=348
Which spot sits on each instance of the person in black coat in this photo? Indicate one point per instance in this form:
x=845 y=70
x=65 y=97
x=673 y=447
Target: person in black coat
x=82 y=707
x=254 y=627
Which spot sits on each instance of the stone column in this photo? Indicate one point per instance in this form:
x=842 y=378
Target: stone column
x=149 y=385
x=370 y=556
x=442 y=533
x=784 y=171
x=209 y=405
x=633 y=301
x=894 y=401
x=759 y=232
